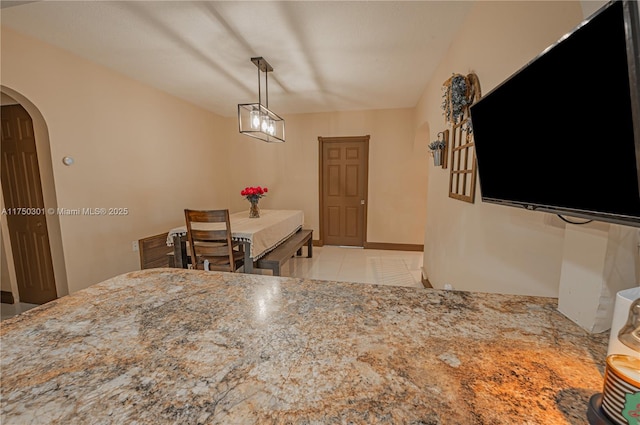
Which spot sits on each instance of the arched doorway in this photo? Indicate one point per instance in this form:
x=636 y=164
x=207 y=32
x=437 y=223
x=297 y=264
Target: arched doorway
x=24 y=207
x=26 y=261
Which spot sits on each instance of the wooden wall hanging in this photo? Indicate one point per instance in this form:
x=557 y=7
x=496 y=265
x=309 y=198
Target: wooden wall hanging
x=445 y=152
x=462 y=177
x=460 y=93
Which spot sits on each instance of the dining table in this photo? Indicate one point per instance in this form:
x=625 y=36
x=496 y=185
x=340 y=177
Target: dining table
x=258 y=235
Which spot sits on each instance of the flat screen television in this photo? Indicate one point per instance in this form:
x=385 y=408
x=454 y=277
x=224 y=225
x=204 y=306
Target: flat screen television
x=562 y=134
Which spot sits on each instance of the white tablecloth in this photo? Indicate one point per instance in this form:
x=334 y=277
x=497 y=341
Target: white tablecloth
x=264 y=233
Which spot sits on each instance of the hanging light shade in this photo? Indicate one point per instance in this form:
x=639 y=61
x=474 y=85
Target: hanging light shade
x=255 y=119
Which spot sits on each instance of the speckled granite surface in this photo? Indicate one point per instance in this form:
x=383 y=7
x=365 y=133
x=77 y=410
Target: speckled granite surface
x=172 y=346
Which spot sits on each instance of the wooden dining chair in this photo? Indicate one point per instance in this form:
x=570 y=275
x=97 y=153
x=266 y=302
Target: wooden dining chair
x=212 y=249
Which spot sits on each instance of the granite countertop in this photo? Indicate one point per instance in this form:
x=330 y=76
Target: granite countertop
x=172 y=346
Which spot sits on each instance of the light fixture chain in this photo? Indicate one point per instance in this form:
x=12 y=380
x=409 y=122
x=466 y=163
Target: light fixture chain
x=259 y=89
x=266 y=87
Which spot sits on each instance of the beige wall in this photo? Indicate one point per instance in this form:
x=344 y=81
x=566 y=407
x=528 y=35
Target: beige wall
x=485 y=247
x=397 y=170
x=137 y=148
x=131 y=146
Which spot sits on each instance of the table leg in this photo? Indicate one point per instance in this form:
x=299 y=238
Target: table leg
x=248 y=261
x=180 y=252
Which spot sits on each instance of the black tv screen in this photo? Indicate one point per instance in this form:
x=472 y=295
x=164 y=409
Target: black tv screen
x=562 y=134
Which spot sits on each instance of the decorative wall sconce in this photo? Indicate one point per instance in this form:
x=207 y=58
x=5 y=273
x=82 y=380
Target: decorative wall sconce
x=437 y=149
x=255 y=119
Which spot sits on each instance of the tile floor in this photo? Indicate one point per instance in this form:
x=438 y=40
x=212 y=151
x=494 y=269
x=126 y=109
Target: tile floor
x=395 y=268
x=10 y=310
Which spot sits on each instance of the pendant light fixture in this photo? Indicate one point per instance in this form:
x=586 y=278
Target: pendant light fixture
x=255 y=119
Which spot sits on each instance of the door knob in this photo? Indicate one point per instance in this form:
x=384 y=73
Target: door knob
x=361 y=201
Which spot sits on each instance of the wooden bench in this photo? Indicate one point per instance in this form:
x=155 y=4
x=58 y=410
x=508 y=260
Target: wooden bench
x=282 y=253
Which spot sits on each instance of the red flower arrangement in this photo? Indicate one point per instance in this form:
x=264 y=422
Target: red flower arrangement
x=253 y=194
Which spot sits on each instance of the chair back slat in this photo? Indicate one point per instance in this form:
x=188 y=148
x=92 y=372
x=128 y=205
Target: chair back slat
x=215 y=250
x=209 y=235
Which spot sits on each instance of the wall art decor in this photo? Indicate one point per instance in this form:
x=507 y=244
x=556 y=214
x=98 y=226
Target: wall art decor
x=460 y=92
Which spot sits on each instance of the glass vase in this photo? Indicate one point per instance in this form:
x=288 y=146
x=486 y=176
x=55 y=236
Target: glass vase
x=254 y=211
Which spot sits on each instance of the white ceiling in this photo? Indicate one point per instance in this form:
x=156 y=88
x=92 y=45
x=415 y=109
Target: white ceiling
x=326 y=55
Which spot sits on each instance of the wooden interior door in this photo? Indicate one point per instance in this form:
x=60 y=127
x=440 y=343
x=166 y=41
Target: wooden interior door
x=343 y=192
x=24 y=207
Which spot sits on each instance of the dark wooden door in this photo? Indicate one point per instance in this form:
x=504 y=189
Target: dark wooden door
x=343 y=198
x=24 y=207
